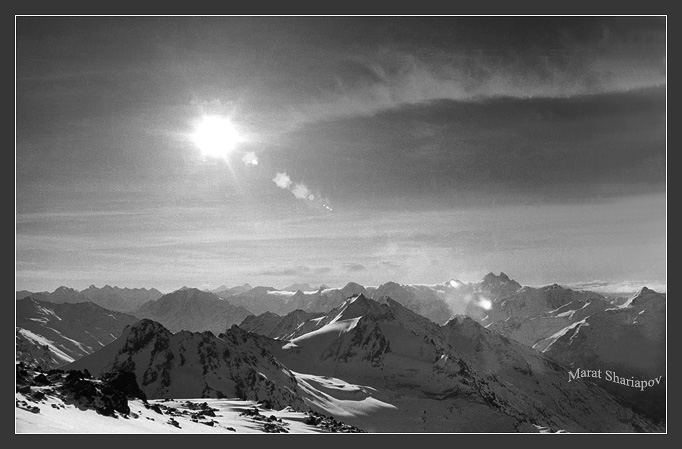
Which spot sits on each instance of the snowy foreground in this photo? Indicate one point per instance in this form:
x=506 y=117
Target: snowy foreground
x=163 y=416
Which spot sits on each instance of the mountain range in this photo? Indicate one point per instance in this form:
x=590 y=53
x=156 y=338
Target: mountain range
x=491 y=356
x=192 y=309
x=112 y=298
x=376 y=364
x=629 y=340
x=436 y=372
x=52 y=335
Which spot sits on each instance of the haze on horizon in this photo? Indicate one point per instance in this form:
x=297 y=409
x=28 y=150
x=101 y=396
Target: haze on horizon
x=365 y=149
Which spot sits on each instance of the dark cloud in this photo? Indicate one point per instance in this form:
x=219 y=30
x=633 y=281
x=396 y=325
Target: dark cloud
x=539 y=149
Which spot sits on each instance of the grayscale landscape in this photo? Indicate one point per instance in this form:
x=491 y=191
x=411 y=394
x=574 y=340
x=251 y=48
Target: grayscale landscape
x=340 y=224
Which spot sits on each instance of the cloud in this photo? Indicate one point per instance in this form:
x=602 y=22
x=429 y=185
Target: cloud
x=535 y=59
x=354 y=267
x=519 y=150
x=282 y=180
x=625 y=287
x=299 y=270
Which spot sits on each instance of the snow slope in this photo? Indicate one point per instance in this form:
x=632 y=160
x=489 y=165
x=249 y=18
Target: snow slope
x=459 y=377
x=56 y=416
x=629 y=340
x=68 y=331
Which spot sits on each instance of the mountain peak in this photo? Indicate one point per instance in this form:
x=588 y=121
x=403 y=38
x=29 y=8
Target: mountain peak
x=391 y=284
x=137 y=335
x=646 y=296
x=352 y=286
x=355 y=306
x=490 y=278
x=145 y=325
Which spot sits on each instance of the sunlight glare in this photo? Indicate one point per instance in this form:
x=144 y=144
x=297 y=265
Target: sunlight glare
x=216 y=136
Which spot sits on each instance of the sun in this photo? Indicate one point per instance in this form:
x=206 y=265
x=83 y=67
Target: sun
x=216 y=136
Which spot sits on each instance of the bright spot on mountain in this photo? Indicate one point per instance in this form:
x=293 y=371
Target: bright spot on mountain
x=216 y=136
x=455 y=284
x=485 y=303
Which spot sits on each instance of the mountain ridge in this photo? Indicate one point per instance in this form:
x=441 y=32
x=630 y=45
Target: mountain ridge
x=193 y=310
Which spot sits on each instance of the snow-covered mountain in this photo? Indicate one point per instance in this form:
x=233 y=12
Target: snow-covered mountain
x=75 y=402
x=427 y=301
x=52 y=335
x=530 y=315
x=112 y=298
x=583 y=329
x=629 y=340
x=436 y=302
x=459 y=377
x=275 y=326
x=193 y=310
x=195 y=365
x=268 y=299
x=490 y=356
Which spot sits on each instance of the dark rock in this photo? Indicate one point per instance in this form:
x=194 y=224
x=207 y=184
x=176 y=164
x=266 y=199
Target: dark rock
x=173 y=422
x=78 y=387
x=41 y=379
x=274 y=428
x=38 y=395
x=73 y=375
x=250 y=412
x=126 y=383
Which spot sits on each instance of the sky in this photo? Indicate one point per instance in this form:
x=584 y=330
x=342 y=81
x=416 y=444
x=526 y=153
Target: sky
x=364 y=149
